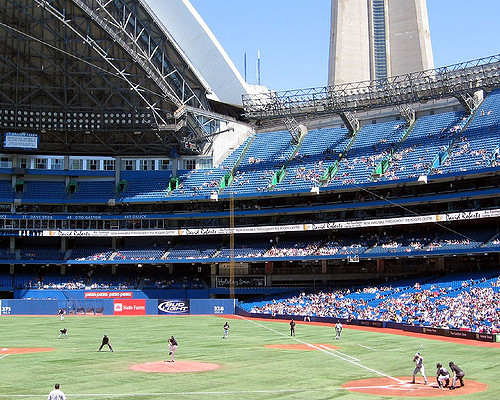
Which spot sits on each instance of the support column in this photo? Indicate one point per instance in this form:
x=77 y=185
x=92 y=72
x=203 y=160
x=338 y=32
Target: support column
x=440 y=263
x=324 y=267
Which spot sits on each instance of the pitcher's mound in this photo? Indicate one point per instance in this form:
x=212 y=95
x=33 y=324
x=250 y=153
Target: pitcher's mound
x=300 y=346
x=23 y=350
x=402 y=387
x=174 y=367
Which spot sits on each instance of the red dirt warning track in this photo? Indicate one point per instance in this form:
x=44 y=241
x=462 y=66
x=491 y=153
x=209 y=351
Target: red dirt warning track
x=24 y=350
x=390 y=387
x=300 y=346
x=175 y=367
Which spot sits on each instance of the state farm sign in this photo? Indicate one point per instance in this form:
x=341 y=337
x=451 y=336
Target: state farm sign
x=129 y=307
x=109 y=295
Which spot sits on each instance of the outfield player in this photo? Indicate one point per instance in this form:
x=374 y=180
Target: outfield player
x=338 y=330
x=105 y=341
x=226 y=331
x=442 y=374
x=292 y=328
x=419 y=367
x=172 y=346
x=61 y=314
x=457 y=374
x=56 y=394
x=63 y=332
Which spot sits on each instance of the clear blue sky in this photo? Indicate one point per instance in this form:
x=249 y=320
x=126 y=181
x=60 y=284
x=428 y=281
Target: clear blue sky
x=292 y=35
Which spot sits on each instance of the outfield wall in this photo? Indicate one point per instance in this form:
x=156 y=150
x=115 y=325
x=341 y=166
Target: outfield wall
x=484 y=337
x=118 y=306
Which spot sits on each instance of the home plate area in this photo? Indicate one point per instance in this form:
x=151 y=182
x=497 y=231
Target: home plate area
x=175 y=367
x=402 y=386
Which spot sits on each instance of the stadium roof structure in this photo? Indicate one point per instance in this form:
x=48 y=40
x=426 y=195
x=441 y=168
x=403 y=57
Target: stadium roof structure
x=202 y=48
x=460 y=81
x=97 y=77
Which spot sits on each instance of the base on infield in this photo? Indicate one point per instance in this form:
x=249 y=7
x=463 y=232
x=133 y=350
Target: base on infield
x=24 y=350
x=404 y=388
x=175 y=367
x=300 y=346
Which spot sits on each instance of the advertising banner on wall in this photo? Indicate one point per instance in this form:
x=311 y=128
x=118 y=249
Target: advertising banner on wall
x=240 y=281
x=173 y=307
x=109 y=295
x=129 y=307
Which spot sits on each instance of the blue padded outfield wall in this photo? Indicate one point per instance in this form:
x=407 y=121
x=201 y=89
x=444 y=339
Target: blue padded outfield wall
x=118 y=306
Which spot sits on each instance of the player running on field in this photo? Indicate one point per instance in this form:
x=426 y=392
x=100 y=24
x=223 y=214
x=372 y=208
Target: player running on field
x=419 y=367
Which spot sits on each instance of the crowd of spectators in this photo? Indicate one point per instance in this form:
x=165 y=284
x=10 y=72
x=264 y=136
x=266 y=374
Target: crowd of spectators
x=472 y=306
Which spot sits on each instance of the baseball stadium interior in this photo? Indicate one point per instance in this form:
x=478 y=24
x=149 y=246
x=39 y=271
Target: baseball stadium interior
x=123 y=167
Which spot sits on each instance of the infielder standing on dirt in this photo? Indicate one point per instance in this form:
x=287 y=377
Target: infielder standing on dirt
x=419 y=367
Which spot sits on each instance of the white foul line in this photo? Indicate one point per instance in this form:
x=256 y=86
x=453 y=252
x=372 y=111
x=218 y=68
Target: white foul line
x=324 y=351
x=4 y=356
x=336 y=351
x=366 y=347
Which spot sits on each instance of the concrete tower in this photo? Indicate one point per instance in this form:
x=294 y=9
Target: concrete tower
x=374 y=39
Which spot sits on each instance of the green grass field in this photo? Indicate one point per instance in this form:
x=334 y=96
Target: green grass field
x=249 y=370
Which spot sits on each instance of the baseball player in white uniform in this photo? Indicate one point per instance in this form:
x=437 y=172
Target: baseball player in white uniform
x=56 y=394
x=172 y=346
x=419 y=367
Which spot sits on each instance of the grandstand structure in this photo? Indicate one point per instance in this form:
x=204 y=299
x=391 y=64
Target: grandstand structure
x=119 y=169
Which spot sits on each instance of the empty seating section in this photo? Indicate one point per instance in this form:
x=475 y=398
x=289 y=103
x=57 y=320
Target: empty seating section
x=41 y=253
x=232 y=159
x=138 y=253
x=318 y=151
x=372 y=144
x=429 y=136
x=437 y=144
x=478 y=145
x=6 y=255
x=44 y=192
x=93 y=192
x=192 y=250
x=205 y=182
x=400 y=244
x=246 y=249
x=91 y=253
x=6 y=192
x=199 y=182
x=145 y=185
x=266 y=154
x=470 y=239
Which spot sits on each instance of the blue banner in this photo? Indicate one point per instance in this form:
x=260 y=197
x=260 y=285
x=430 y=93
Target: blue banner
x=173 y=307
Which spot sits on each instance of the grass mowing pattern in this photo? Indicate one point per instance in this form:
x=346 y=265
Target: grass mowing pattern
x=249 y=370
